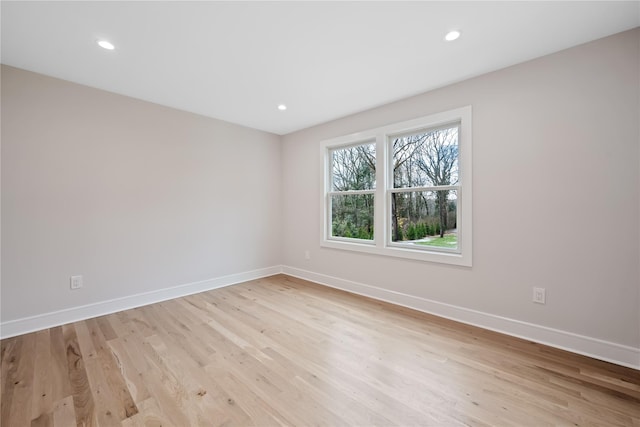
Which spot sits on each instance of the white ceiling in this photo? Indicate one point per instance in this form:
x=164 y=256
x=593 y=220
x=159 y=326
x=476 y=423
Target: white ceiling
x=237 y=61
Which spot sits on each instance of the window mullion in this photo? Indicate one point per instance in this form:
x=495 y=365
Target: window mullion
x=379 y=212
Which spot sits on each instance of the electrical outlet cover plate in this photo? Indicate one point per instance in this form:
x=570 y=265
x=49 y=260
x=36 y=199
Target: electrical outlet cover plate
x=539 y=295
x=76 y=282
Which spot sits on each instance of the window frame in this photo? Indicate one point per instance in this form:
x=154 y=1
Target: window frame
x=381 y=243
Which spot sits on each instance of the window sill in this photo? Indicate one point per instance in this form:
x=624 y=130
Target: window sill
x=450 y=258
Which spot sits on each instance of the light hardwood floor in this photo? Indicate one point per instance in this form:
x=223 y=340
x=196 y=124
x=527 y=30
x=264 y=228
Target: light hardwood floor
x=281 y=351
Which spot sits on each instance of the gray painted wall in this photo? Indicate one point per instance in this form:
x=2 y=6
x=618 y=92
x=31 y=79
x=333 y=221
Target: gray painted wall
x=131 y=195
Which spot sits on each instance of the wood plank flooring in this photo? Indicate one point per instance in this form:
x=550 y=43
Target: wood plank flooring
x=281 y=351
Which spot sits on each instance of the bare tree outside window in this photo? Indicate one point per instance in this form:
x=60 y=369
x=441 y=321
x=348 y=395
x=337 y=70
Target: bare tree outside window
x=423 y=162
x=353 y=170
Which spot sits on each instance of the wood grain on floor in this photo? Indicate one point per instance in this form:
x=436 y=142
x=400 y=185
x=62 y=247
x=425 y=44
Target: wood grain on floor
x=282 y=351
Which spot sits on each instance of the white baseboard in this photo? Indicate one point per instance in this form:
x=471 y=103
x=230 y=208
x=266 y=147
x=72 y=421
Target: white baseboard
x=57 y=318
x=592 y=347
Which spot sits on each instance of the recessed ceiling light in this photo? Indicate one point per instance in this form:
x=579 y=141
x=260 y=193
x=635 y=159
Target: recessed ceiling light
x=106 y=45
x=452 y=35
x=282 y=107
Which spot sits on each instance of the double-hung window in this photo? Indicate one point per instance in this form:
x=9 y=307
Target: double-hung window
x=402 y=190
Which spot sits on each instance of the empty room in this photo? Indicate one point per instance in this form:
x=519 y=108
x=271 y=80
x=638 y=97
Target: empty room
x=333 y=213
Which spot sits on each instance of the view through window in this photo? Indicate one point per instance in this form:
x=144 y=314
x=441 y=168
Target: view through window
x=402 y=190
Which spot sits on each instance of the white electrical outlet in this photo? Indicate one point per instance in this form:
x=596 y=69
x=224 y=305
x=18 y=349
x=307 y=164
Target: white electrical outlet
x=75 y=282
x=307 y=254
x=539 y=295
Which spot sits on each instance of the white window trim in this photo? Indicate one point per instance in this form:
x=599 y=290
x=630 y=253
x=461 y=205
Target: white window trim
x=381 y=244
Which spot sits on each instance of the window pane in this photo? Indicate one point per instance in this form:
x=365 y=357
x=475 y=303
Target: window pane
x=354 y=168
x=352 y=216
x=426 y=159
x=425 y=218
